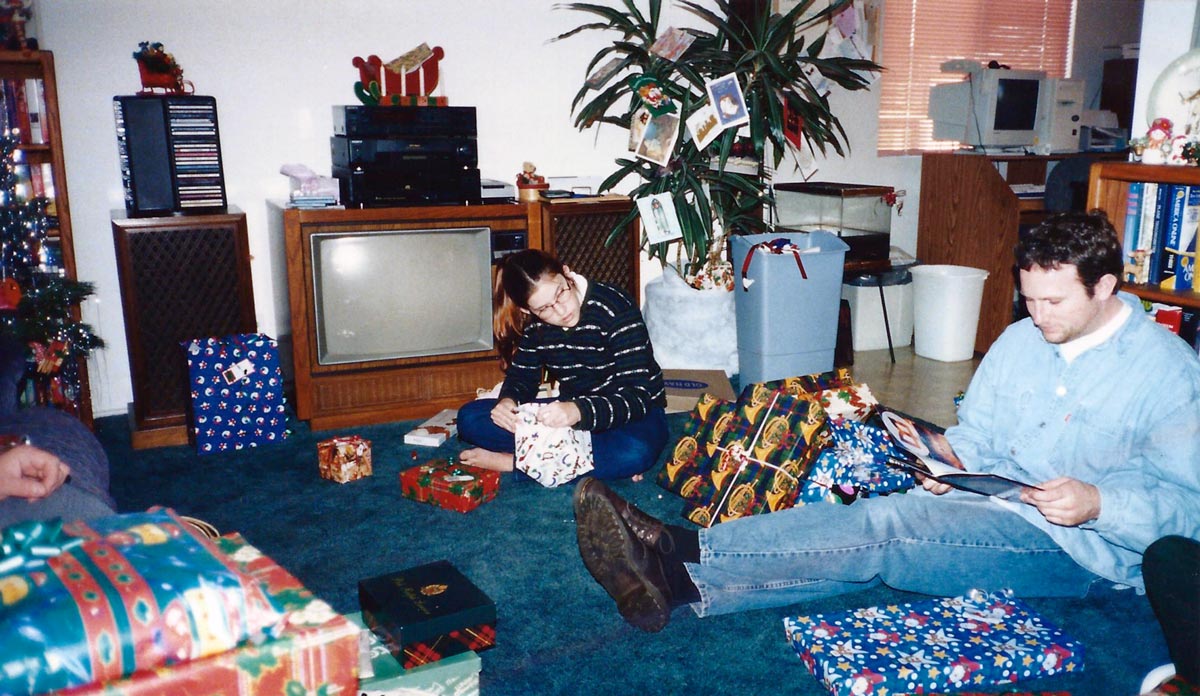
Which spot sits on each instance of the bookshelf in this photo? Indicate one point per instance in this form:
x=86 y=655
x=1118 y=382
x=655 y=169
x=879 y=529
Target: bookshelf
x=1108 y=188
x=36 y=68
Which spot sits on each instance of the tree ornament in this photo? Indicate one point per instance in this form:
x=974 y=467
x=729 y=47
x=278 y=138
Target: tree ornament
x=10 y=293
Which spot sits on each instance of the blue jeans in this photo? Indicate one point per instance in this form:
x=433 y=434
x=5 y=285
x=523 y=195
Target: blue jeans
x=617 y=453
x=916 y=541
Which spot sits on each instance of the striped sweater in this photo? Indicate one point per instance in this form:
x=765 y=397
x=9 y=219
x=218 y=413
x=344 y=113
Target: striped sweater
x=604 y=364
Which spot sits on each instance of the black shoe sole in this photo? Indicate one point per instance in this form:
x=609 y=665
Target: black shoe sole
x=617 y=560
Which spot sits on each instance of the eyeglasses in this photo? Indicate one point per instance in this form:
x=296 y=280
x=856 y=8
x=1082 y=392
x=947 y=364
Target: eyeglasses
x=557 y=304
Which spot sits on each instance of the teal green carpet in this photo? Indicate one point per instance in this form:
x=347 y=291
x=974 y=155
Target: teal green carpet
x=557 y=631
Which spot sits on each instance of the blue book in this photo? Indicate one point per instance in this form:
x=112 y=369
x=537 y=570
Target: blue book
x=1133 y=223
x=1162 y=213
x=1168 y=250
x=1185 y=257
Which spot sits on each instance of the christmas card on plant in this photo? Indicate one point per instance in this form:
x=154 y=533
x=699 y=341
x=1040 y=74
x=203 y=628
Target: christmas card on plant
x=434 y=431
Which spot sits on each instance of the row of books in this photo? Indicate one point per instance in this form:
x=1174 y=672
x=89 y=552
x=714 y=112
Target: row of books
x=23 y=108
x=1161 y=222
x=34 y=181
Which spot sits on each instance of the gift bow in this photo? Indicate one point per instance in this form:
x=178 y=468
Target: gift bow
x=26 y=545
x=741 y=455
x=775 y=246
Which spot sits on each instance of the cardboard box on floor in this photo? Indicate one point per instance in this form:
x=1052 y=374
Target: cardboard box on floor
x=684 y=387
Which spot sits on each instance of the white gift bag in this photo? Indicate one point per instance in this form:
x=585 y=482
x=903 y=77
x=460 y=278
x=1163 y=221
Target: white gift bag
x=550 y=456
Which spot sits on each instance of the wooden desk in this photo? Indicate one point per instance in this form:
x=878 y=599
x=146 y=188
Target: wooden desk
x=969 y=216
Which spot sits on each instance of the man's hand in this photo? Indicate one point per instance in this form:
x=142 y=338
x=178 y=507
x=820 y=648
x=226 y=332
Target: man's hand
x=31 y=473
x=559 y=414
x=934 y=487
x=504 y=414
x=1065 y=501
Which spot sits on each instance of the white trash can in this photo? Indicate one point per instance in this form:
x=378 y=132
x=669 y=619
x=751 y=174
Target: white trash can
x=946 y=302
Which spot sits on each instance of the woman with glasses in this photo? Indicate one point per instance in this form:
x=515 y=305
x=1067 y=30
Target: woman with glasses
x=589 y=338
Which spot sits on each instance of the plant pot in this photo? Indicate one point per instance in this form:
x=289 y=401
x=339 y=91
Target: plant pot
x=689 y=328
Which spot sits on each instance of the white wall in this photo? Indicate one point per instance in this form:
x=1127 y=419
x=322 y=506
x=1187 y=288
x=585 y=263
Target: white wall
x=1168 y=31
x=275 y=68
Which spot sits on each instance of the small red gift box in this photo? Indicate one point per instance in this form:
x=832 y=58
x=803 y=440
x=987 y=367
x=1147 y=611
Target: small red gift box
x=451 y=486
x=344 y=459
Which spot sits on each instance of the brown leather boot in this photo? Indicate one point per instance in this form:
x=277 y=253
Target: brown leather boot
x=629 y=569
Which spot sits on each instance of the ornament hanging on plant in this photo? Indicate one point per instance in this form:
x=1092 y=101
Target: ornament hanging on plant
x=10 y=293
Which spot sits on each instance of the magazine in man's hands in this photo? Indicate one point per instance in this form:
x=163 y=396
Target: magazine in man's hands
x=934 y=458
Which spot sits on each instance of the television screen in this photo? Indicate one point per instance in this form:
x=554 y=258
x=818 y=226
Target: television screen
x=382 y=295
x=1016 y=104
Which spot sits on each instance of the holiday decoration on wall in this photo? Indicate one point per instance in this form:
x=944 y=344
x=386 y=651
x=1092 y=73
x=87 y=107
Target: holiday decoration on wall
x=38 y=303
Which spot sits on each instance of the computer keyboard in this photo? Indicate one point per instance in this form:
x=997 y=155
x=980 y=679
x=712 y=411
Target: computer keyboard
x=1028 y=190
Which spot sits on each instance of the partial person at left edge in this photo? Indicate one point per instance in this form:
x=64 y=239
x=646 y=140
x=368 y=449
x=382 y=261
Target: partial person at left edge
x=63 y=473
x=589 y=338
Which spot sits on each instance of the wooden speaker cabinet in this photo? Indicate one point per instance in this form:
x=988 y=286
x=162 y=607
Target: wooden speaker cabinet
x=182 y=277
x=576 y=229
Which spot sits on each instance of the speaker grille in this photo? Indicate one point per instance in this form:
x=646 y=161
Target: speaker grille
x=579 y=243
x=186 y=286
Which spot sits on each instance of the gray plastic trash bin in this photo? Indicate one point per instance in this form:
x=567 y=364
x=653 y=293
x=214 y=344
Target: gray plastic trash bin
x=786 y=323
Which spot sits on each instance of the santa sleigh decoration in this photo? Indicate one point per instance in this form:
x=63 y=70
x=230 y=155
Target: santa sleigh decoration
x=406 y=81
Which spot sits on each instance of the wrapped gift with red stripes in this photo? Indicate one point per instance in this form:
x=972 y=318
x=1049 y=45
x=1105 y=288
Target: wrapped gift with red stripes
x=427 y=613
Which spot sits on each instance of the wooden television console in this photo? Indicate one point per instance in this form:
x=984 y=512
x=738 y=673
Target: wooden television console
x=380 y=391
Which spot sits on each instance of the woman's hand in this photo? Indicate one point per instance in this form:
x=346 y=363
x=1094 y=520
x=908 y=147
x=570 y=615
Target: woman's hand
x=559 y=414
x=504 y=414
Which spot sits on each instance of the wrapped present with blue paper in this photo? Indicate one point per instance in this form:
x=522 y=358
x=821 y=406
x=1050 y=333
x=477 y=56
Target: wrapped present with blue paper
x=92 y=603
x=933 y=646
x=236 y=392
x=766 y=458
x=854 y=465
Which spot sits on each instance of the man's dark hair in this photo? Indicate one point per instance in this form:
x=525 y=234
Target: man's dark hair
x=1086 y=241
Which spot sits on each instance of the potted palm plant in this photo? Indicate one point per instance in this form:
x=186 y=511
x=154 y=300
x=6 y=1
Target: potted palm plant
x=768 y=62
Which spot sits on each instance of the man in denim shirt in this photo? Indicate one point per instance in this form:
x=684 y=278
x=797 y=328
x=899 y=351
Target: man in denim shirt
x=1087 y=397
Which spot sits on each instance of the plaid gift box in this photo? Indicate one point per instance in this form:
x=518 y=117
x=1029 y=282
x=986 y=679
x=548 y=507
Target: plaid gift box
x=452 y=486
x=708 y=424
x=932 y=646
x=457 y=674
x=427 y=613
x=236 y=392
x=854 y=465
x=760 y=467
x=344 y=459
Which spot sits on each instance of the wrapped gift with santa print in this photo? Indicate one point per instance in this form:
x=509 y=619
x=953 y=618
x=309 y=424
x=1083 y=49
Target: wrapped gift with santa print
x=933 y=646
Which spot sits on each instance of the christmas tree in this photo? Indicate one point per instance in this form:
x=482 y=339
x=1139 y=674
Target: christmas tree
x=38 y=303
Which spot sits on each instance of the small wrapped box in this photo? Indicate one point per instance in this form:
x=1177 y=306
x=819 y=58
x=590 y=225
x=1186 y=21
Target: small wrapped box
x=344 y=459
x=932 y=646
x=436 y=430
x=427 y=613
x=457 y=674
x=452 y=486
